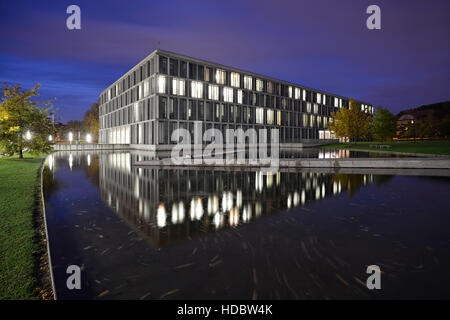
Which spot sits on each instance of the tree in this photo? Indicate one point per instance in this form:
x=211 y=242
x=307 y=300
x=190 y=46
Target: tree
x=384 y=124
x=24 y=122
x=90 y=121
x=444 y=127
x=352 y=123
x=427 y=128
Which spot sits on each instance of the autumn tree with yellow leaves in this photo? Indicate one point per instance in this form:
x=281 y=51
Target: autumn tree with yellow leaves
x=351 y=123
x=25 y=123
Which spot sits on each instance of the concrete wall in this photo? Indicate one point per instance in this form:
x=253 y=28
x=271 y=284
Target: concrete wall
x=90 y=147
x=369 y=163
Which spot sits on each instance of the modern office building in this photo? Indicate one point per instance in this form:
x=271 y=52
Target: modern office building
x=167 y=91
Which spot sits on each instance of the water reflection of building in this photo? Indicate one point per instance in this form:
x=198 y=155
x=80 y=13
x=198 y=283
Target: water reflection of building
x=171 y=205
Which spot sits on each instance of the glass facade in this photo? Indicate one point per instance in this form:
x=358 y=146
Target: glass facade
x=167 y=91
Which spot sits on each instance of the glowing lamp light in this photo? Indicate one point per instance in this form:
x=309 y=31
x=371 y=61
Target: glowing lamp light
x=70 y=137
x=50 y=138
x=28 y=135
x=88 y=138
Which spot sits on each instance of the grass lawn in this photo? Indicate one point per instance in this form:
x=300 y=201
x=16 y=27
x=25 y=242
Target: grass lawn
x=428 y=147
x=19 y=184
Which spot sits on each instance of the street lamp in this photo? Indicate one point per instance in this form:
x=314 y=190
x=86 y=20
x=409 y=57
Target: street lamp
x=28 y=135
x=88 y=138
x=70 y=137
x=50 y=138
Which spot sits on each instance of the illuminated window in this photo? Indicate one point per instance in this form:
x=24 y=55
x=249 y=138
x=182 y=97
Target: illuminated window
x=304 y=95
x=207 y=72
x=269 y=87
x=213 y=92
x=178 y=87
x=248 y=82
x=318 y=97
x=297 y=93
x=146 y=87
x=290 y=91
x=161 y=84
x=305 y=120
x=260 y=115
x=228 y=94
x=336 y=102
x=279 y=118
x=308 y=107
x=324 y=99
x=235 y=79
x=239 y=96
x=220 y=76
x=316 y=108
x=196 y=89
x=311 y=121
x=259 y=85
x=270 y=116
x=340 y=103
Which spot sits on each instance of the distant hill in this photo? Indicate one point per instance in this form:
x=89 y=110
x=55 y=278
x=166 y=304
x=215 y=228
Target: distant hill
x=436 y=110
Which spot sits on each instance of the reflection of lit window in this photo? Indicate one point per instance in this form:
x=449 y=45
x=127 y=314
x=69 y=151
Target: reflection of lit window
x=161 y=216
x=70 y=161
x=234 y=217
x=178 y=213
x=246 y=215
x=218 y=220
x=239 y=198
x=196 y=212
x=227 y=201
x=296 y=199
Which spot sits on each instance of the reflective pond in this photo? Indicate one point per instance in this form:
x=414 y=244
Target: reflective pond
x=151 y=233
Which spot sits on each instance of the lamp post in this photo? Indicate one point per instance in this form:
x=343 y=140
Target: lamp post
x=88 y=138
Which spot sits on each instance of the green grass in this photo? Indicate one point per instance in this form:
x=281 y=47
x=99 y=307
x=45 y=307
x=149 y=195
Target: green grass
x=428 y=147
x=19 y=186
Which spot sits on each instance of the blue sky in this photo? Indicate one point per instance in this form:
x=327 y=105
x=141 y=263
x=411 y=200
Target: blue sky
x=322 y=44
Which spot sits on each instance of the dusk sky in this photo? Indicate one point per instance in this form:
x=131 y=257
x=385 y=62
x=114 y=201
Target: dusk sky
x=316 y=43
